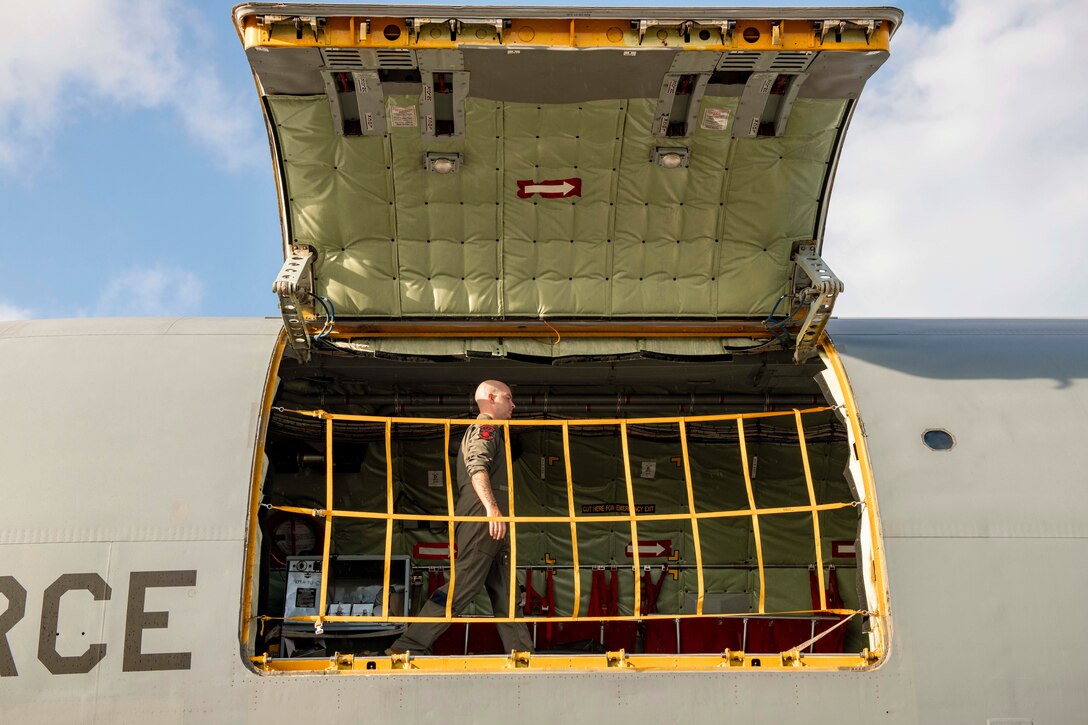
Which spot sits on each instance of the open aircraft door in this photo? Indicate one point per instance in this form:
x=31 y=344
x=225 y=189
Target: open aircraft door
x=622 y=215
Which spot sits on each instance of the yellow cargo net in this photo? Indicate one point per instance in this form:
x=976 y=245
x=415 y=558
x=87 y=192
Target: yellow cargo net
x=632 y=517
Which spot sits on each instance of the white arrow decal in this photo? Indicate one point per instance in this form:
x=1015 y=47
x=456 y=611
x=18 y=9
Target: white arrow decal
x=651 y=548
x=565 y=188
x=550 y=188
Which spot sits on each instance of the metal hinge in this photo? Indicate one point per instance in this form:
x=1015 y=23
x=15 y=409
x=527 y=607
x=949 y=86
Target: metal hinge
x=294 y=286
x=316 y=25
x=814 y=286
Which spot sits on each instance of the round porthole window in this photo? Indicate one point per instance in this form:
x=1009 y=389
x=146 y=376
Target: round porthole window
x=938 y=439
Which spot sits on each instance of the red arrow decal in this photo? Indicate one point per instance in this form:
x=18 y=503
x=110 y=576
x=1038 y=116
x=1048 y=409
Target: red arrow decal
x=650 y=549
x=437 y=550
x=550 y=189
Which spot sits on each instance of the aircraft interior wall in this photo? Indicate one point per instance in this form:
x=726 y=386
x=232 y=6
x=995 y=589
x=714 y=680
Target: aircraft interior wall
x=632 y=386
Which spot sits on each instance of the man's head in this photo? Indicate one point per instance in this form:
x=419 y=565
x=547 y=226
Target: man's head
x=495 y=399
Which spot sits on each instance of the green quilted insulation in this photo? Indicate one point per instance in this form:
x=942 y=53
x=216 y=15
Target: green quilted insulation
x=712 y=240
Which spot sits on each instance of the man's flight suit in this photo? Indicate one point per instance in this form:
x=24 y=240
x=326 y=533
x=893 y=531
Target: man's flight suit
x=481 y=560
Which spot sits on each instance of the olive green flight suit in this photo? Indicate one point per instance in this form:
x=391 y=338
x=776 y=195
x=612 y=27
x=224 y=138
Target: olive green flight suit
x=481 y=560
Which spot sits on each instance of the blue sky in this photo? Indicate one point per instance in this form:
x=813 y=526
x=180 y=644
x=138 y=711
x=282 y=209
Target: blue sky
x=135 y=177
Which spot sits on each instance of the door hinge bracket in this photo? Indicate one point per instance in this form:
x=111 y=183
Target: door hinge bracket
x=816 y=287
x=294 y=286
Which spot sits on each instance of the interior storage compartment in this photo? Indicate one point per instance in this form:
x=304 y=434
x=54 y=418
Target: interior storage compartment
x=435 y=379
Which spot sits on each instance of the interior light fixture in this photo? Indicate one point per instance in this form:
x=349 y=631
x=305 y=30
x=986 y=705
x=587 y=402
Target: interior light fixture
x=441 y=163
x=671 y=158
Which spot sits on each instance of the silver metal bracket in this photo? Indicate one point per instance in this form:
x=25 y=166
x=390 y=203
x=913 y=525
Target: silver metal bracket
x=839 y=27
x=817 y=287
x=294 y=286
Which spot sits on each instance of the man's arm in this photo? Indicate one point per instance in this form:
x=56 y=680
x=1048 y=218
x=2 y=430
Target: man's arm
x=481 y=484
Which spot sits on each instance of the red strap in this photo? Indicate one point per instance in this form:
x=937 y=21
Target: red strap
x=614 y=596
x=595 y=593
x=530 y=595
x=814 y=588
x=549 y=601
x=834 y=597
x=435 y=579
x=652 y=589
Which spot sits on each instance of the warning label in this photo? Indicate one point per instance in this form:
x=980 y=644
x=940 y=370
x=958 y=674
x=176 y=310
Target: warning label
x=715 y=119
x=435 y=479
x=617 y=508
x=649 y=469
x=403 y=117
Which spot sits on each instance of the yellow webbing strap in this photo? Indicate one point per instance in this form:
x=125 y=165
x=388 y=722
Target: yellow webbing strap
x=815 y=513
x=389 y=521
x=389 y=517
x=755 y=516
x=591 y=518
x=554 y=421
x=317 y=513
x=512 y=609
x=798 y=613
x=631 y=517
x=573 y=523
x=449 y=521
x=694 y=518
x=328 y=524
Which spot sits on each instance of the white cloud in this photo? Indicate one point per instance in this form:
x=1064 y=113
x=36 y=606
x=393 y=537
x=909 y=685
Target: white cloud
x=156 y=291
x=11 y=312
x=66 y=57
x=962 y=188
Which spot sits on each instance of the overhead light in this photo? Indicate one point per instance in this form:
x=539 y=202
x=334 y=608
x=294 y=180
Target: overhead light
x=671 y=158
x=442 y=163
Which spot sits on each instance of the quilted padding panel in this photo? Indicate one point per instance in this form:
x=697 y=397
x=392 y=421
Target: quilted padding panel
x=713 y=239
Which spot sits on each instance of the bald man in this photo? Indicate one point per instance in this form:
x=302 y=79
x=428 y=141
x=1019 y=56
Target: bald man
x=483 y=551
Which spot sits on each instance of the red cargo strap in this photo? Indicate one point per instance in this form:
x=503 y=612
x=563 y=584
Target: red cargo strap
x=614 y=595
x=604 y=598
x=595 y=592
x=834 y=597
x=536 y=603
x=436 y=578
x=653 y=591
x=543 y=604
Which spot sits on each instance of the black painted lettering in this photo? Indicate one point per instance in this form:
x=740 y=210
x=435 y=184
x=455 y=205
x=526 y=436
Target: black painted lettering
x=47 y=635
x=16 y=597
x=137 y=620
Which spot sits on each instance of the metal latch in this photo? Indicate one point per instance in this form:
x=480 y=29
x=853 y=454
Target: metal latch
x=517 y=660
x=294 y=286
x=617 y=659
x=814 y=286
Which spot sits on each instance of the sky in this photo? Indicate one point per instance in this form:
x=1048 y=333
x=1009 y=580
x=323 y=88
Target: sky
x=135 y=177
